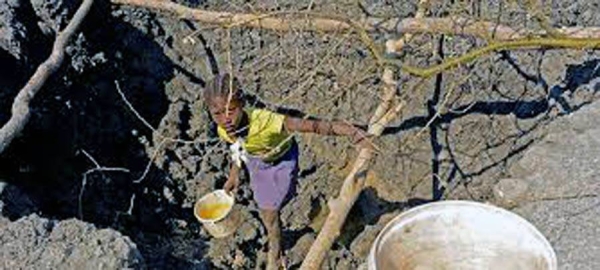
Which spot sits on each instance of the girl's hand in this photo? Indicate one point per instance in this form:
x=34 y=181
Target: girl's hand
x=231 y=184
x=233 y=181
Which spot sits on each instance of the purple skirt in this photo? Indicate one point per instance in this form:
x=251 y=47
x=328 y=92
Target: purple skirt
x=274 y=183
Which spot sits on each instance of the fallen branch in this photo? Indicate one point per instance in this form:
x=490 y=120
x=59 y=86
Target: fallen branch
x=20 y=108
x=397 y=45
x=355 y=180
x=269 y=21
x=500 y=36
x=340 y=207
x=526 y=43
x=328 y=23
x=460 y=26
x=389 y=85
x=536 y=10
x=389 y=91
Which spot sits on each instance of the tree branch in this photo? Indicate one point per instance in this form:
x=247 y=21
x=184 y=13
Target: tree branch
x=269 y=21
x=536 y=9
x=355 y=180
x=389 y=85
x=330 y=23
x=397 y=45
x=566 y=43
x=485 y=30
x=499 y=36
x=20 y=108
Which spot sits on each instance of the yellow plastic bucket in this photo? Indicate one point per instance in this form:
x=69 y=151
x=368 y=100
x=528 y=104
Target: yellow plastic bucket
x=217 y=213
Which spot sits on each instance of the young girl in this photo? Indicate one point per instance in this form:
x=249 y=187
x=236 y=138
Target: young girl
x=265 y=143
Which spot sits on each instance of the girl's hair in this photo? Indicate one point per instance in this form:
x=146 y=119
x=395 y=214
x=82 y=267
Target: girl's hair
x=223 y=85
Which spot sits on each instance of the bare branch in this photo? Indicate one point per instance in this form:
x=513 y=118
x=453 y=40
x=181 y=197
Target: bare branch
x=397 y=45
x=270 y=21
x=389 y=88
x=536 y=10
x=572 y=37
x=354 y=182
x=389 y=91
x=340 y=207
x=483 y=29
x=525 y=43
x=20 y=108
x=330 y=23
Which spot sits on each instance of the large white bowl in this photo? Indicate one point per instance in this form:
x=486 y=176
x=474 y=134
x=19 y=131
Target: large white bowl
x=460 y=235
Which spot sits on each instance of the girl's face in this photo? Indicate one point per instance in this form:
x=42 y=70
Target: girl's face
x=227 y=116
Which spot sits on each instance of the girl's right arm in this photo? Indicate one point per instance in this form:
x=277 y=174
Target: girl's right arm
x=234 y=179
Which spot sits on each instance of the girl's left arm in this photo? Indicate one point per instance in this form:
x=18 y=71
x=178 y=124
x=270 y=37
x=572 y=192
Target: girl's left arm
x=323 y=127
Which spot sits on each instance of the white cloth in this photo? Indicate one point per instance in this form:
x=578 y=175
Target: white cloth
x=238 y=153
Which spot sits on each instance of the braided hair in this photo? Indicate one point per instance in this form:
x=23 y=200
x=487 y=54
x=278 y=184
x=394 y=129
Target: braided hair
x=224 y=86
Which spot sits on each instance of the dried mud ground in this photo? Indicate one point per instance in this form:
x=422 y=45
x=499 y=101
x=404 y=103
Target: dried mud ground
x=82 y=120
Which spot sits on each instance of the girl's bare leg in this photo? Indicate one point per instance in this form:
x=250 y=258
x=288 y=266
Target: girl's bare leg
x=271 y=220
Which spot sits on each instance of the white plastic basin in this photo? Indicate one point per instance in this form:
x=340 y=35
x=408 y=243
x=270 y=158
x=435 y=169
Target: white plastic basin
x=460 y=235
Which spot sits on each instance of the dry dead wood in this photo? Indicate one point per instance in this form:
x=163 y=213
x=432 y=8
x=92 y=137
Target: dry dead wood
x=21 y=111
x=499 y=37
x=355 y=181
x=353 y=184
x=485 y=29
x=328 y=23
x=269 y=21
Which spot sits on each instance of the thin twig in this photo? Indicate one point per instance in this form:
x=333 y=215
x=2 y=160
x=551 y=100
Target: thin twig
x=163 y=139
x=133 y=110
x=91 y=158
x=84 y=183
x=131 y=204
